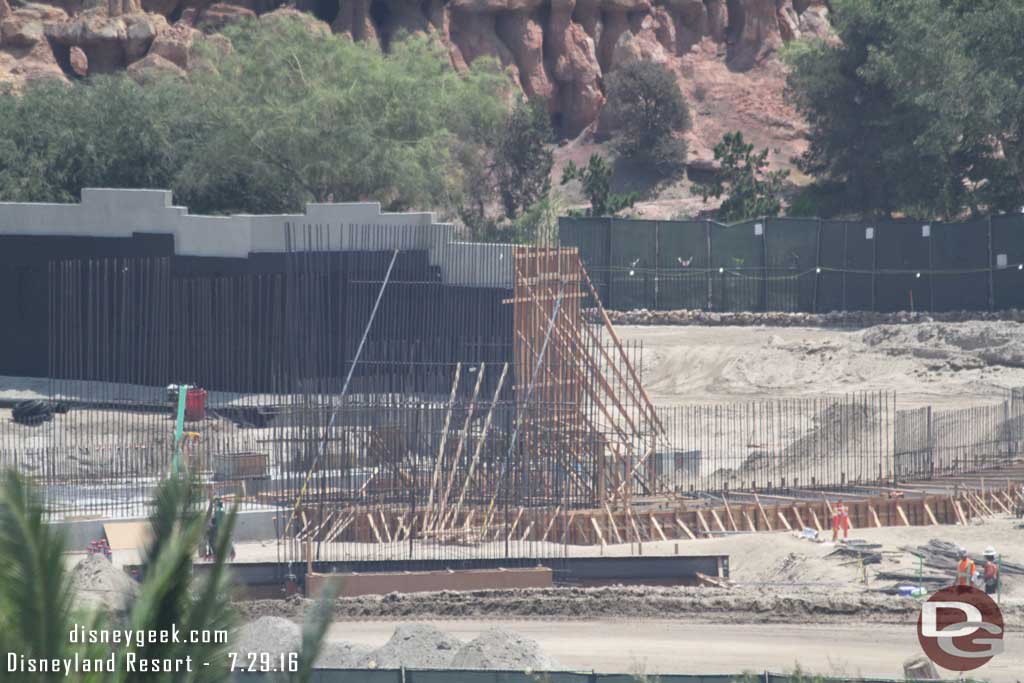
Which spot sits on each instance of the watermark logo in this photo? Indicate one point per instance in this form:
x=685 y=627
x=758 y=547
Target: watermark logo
x=960 y=628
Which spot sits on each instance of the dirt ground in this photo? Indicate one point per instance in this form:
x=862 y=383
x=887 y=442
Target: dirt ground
x=659 y=646
x=942 y=364
x=791 y=606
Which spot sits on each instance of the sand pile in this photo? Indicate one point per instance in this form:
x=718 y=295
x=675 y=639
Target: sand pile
x=502 y=650
x=98 y=583
x=339 y=654
x=273 y=635
x=956 y=346
x=418 y=646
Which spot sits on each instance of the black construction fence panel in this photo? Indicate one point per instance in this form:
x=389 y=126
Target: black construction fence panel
x=1007 y=276
x=858 y=284
x=683 y=262
x=791 y=246
x=830 y=284
x=592 y=236
x=633 y=266
x=903 y=249
x=737 y=260
x=959 y=264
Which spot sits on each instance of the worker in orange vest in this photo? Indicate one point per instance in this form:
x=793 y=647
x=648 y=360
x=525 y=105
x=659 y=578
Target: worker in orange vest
x=991 y=571
x=840 y=518
x=965 y=570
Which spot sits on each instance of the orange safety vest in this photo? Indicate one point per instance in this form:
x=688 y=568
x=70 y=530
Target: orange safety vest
x=965 y=572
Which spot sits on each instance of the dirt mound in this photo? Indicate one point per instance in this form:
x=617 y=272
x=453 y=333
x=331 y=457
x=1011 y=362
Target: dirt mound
x=339 y=654
x=98 y=583
x=502 y=650
x=273 y=635
x=953 y=345
x=418 y=646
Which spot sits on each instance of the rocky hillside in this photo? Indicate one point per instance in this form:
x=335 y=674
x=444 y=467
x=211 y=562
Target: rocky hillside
x=723 y=51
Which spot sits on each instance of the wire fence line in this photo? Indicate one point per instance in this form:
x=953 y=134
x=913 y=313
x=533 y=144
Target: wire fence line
x=833 y=442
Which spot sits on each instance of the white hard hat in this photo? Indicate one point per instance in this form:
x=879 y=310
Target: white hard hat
x=990 y=552
x=962 y=552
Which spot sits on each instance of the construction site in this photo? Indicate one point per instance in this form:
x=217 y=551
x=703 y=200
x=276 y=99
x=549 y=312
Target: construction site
x=458 y=434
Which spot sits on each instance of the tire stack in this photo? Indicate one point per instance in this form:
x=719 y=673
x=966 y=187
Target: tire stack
x=35 y=412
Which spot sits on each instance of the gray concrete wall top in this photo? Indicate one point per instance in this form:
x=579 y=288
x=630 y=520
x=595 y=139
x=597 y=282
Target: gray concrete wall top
x=105 y=212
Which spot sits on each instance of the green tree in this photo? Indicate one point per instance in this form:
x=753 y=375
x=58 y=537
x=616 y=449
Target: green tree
x=749 y=189
x=916 y=108
x=596 y=178
x=961 y=63
x=329 y=116
x=646 y=109
x=523 y=157
x=108 y=131
x=288 y=115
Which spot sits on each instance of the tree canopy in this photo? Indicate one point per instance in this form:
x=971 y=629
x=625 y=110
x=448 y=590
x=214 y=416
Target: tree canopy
x=288 y=115
x=750 y=190
x=646 y=108
x=917 y=108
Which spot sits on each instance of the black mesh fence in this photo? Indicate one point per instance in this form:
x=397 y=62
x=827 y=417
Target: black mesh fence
x=792 y=264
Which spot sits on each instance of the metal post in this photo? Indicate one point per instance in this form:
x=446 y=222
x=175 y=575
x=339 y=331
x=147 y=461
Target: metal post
x=707 y=240
x=764 y=264
x=931 y=445
x=817 y=270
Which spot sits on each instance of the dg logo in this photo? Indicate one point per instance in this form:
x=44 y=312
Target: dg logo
x=960 y=628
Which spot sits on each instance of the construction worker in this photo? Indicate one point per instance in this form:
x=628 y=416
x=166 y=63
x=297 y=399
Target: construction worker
x=965 y=570
x=840 y=519
x=991 y=571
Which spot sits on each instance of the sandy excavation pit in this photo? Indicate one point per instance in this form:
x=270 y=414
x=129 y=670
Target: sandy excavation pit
x=942 y=364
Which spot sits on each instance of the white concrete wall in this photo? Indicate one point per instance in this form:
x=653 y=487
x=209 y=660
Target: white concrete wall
x=121 y=213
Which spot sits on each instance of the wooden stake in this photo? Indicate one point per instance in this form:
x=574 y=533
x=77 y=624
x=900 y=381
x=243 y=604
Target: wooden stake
x=597 y=528
x=440 y=449
x=814 y=516
x=373 y=525
x=959 y=512
x=611 y=523
x=902 y=514
x=685 y=528
x=928 y=511
x=764 y=514
x=551 y=523
x=799 y=519
x=874 y=516
x=657 y=527
x=703 y=522
x=512 y=530
x=718 y=520
x=785 y=522
x=728 y=513
x=568 y=523
x=750 y=522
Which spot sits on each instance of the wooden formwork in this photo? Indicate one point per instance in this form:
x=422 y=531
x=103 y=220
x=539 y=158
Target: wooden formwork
x=576 y=381
x=637 y=524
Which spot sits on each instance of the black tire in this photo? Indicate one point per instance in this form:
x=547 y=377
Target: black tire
x=29 y=408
